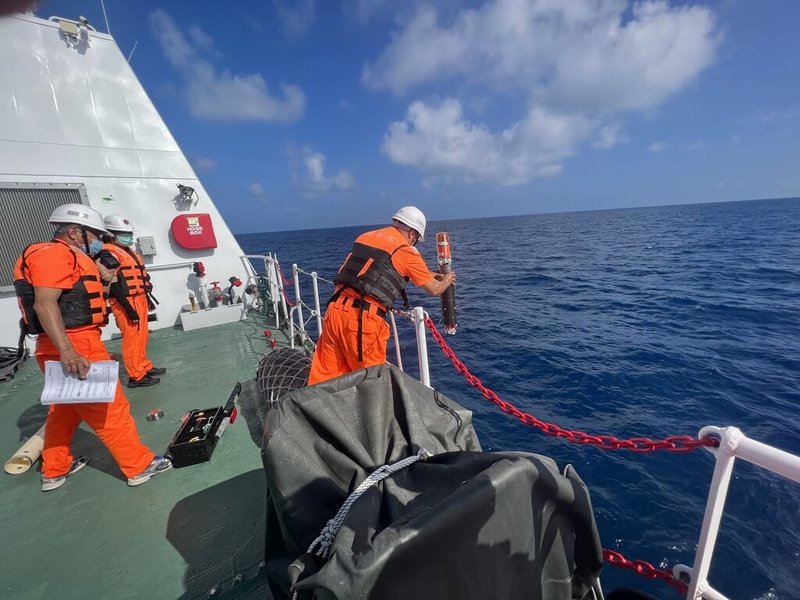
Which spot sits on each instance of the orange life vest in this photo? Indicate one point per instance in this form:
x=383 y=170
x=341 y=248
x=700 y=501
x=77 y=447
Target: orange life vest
x=132 y=277
x=83 y=305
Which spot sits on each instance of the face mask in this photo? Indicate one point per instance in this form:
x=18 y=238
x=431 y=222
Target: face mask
x=126 y=239
x=95 y=246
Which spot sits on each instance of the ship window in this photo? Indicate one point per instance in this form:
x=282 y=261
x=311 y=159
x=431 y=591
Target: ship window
x=24 y=210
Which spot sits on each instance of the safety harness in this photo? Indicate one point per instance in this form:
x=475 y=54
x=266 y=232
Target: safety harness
x=369 y=271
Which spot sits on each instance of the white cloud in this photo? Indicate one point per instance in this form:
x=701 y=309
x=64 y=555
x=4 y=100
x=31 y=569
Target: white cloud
x=314 y=180
x=581 y=62
x=217 y=94
x=203 y=163
x=693 y=146
x=257 y=190
x=657 y=147
x=439 y=140
x=297 y=16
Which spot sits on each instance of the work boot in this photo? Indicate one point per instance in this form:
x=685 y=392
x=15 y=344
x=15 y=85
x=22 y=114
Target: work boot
x=52 y=483
x=144 y=381
x=158 y=465
x=157 y=371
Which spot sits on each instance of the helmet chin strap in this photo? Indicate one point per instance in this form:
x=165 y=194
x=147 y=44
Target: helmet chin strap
x=85 y=240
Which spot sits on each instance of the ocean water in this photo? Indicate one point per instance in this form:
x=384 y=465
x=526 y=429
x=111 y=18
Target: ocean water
x=636 y=322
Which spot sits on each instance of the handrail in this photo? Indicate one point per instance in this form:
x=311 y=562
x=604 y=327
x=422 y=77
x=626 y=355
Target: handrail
x=733 y=444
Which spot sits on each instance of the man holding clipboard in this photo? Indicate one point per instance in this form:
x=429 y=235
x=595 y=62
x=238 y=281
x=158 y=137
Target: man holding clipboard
x=62 y=288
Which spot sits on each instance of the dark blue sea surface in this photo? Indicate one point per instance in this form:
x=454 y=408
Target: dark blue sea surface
x=636 y=322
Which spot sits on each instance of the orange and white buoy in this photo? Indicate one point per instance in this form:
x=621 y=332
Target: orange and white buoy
x=449 y=296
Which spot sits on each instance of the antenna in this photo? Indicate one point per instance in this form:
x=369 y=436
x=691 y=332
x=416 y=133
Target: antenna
x=133 y=50
x=105 y=16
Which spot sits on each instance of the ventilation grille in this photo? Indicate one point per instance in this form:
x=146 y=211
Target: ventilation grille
x=24 y=210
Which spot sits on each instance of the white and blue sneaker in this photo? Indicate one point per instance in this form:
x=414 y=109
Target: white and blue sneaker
x=52 y=483
x=158 y=465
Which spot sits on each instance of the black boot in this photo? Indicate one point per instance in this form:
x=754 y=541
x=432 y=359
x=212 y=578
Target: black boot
x=145 y=381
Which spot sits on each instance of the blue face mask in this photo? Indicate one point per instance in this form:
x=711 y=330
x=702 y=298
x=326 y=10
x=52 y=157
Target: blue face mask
x=95 y=246
x=126 y=239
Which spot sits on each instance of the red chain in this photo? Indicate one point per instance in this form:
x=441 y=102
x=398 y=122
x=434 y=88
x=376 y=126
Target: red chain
x=672 y=443
x=283 y=277
x=645 y=569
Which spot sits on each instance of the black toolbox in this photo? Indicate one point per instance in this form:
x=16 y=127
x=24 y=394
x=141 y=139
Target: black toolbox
x=195 y=441
x=201 y=429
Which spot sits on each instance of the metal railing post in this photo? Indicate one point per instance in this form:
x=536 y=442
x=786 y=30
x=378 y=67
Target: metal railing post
x=291 y=326
x=315 y=285
x=281 y=291
x=299 y=303
x=422 y=346
x=715 y=505
x=396 y=341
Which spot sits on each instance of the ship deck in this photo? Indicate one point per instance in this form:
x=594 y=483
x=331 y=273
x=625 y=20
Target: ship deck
x=188 y=533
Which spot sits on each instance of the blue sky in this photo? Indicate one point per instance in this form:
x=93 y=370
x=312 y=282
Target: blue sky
x=310 y=113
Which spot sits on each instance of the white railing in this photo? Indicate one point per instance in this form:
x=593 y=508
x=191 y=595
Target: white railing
x=733 y=444
x=295 y=318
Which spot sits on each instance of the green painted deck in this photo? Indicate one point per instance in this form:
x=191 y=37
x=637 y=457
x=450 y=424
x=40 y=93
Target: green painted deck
x=178 y=535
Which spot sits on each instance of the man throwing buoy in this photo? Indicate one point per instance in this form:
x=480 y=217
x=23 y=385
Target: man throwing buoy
x=355 y=332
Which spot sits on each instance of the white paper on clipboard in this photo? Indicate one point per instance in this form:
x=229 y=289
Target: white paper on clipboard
x=100 y=384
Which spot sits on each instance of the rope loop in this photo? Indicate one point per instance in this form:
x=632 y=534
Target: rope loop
x=322 y=545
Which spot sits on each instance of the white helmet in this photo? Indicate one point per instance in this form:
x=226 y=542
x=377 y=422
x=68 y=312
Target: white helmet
x=118 y=223
x=413 y=217
x=78 y=214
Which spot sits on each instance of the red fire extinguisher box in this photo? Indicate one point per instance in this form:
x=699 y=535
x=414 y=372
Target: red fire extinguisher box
x=193 y=231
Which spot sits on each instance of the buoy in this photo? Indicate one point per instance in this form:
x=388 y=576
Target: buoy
x=449 y=296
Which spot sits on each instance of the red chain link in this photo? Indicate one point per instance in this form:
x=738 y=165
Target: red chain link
x=672 y=443
x=645 y=569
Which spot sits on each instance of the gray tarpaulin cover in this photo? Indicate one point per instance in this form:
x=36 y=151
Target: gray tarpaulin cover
x=463 y=524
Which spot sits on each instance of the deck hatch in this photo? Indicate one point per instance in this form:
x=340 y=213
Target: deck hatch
x=25 y=208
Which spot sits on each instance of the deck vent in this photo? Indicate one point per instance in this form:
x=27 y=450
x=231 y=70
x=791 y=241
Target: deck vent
x=25 y=208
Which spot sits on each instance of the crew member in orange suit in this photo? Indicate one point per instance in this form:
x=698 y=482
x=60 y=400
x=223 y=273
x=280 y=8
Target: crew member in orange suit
x=355 y=332
x=62 y=287
x=129 y=303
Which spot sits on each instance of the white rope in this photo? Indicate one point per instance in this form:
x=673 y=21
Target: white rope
x=406 y=314
x=299 y=270
x=328 y=534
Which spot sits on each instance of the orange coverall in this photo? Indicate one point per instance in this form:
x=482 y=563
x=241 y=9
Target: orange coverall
x=134 y=335
x=59 y=266
x=337 y=349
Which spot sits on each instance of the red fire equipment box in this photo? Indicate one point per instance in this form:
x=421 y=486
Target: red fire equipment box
x=194 y=231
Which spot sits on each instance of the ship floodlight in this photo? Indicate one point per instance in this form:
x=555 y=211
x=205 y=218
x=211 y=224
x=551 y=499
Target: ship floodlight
x=186 y=194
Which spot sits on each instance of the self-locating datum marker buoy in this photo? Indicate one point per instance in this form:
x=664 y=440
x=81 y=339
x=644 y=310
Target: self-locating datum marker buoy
x=449 y=295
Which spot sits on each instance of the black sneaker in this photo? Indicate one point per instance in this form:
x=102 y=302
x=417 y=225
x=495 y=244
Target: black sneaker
x=156 y=371
x=143 y=382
